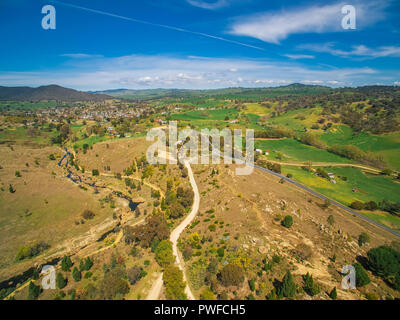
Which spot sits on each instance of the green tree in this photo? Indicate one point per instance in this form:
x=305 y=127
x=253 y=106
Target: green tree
x=207 y=294
x=362 y=277
x=231 y=275
x=309 y=286
x=76 y=274
x=60 y=281
x=33 y=291
x=363 y=239
x=287 y=221
x=288 y=288
x=66 y=264
x=174 y=284
x=164 y=254
x=333 y=294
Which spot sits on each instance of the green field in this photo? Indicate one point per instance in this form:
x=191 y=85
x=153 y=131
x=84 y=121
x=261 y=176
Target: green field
x=369 y=187
x=293 y=150
x=20 y=135
x=387 y=145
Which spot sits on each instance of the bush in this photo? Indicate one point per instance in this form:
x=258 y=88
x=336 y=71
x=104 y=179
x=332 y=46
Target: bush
x=357 y=205
x=33 y=291
x=207 y=294
x=232 y=275
x=362 y=277
x=28 y=252
x=76 y=274
x=66 y=264
x=363 y=239
x=333 y=294
x=60 y=281
x=164 y=254
x=87 y=214
x=385 y=262
x=135 y=274
x=288 y=287
x=95 y=172
x=287 y=221
x=309 y=286
x=174 y=284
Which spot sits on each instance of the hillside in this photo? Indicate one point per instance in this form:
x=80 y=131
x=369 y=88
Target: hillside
x=51 y=92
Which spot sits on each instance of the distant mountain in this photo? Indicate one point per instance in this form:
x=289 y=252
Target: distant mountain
x=145 y=94
x=51 y=92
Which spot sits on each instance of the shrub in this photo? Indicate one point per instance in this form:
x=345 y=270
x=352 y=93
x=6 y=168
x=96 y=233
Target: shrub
x=333 y=294
x=31 y=251
x=33 y=291
x=76 y=274
x=187 y=253
x=207 y=294
x=288 y=287
x=287 y=221
x=362 y=277
x=174 y=284
x=385 y=262
x=232 y=275
x=164 y=254
x=88 y=214
x=363 y=239
x=309 y=286
x=135 y=274
x=66 y=264
x=357 y=205
x=60 y=281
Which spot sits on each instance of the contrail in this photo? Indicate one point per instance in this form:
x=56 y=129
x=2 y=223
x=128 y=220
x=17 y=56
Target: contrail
x=156 y=24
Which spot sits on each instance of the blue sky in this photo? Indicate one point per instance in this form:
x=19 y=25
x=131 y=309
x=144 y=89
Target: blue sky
x=201 y=44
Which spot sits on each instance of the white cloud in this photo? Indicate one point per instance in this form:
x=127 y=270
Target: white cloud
x=299 y=56
x=81 y=55
x=211 y=5
x=277 y=26
x=396 y=83
x=161 y=71
x=360 y=51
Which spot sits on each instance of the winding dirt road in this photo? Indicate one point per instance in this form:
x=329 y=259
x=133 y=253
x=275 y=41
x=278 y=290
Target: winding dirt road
x=155 y=290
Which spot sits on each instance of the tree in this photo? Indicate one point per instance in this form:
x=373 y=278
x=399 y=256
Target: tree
x=95 y=172
x=362 y=277
x=66 y=264
x=88 y=214
x=207 y=294
x=60 y=281
x=357 y=205
x=174 y=284
x=164 y=254
x=287 y=221
x=187 y=253
x=232 y=275
x=11 y=189
x=135 y=274
x=331 y=220
x=33 y=291
x=363 y=239
x=309 y=286
x=76 y=274
x=384 y=261
x=333 y=294
x=288 y=287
